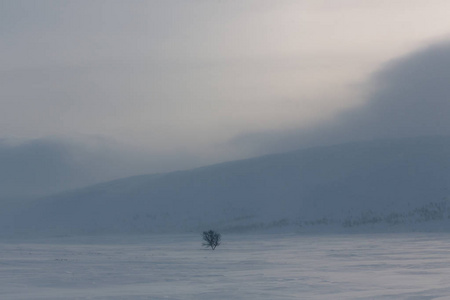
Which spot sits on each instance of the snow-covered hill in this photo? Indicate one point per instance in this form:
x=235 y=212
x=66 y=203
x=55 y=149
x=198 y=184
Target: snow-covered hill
x=390 y=181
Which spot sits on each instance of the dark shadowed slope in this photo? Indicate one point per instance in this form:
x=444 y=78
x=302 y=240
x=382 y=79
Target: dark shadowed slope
x=335 y=182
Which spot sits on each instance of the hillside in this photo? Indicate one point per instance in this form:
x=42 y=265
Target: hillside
x=384 y=181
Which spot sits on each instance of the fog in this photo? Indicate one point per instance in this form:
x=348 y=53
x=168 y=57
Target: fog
x=408 y=96
x=96 y=90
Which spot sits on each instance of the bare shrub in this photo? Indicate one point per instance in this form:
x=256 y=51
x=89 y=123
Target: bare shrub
x=211 y=239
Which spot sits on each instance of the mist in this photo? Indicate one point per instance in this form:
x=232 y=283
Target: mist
x=97 y=90
x=408 y=96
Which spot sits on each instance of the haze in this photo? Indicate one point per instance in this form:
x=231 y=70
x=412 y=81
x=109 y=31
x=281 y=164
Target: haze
x=106 y=89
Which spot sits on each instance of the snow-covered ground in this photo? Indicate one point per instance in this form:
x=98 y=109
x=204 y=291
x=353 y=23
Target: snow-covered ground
x=245 y=266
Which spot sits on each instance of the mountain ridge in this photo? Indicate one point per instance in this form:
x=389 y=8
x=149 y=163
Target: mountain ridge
x=337 y=183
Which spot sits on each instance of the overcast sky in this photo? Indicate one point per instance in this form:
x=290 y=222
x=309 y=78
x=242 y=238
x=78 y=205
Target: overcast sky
x=179 y=84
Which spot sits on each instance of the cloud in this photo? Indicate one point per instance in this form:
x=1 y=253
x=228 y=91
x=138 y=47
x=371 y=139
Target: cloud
x=412 y=96
x=42 y=166
x=409 y=96
x=190 y=74
x=174 y=81
x=37 y=167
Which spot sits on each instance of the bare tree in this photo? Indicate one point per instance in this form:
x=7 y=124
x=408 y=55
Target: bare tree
x=211 y=239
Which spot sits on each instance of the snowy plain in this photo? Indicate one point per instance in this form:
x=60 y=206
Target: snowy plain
x=245 y=266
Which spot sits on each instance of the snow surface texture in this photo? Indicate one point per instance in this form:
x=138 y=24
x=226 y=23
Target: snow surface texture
x=392 y=183
x=374 y=266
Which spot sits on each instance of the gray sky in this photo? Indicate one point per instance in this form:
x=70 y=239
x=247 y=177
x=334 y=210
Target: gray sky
x=177 y=84
x=407 y=97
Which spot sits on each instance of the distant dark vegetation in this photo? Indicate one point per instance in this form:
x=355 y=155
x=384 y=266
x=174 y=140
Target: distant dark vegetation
x=433 y=211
